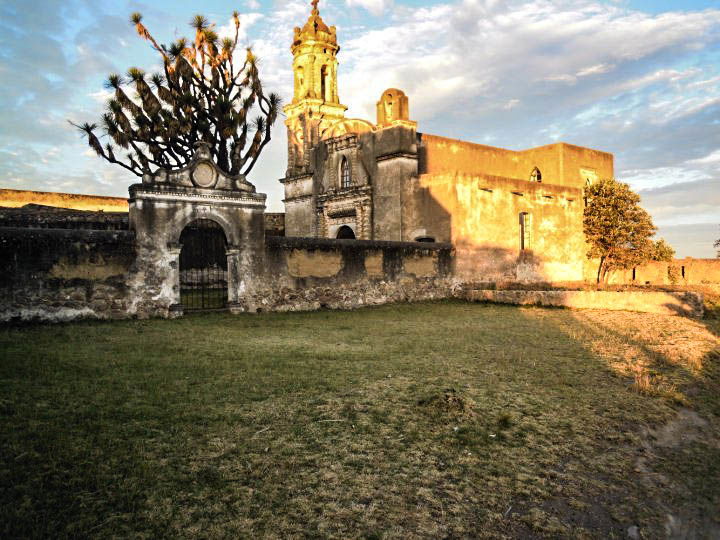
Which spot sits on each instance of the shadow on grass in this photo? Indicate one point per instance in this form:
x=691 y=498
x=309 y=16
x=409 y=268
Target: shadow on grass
x=674 y=494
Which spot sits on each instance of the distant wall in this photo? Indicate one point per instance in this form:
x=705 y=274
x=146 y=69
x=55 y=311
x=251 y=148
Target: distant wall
x=686 y=271
x=33 y=215
x=15 y=198
x=47 y=217
x=56 y=275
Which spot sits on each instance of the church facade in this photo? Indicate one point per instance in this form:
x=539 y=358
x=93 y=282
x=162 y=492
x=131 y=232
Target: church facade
x=513 y=215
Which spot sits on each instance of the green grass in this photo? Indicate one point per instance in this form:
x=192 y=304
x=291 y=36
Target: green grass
x=428 y=420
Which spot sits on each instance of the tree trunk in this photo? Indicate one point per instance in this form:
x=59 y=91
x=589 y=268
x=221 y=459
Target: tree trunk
x=602 y=260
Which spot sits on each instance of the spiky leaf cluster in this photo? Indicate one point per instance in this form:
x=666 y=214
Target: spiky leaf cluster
x=617 y=228
x=203 y=94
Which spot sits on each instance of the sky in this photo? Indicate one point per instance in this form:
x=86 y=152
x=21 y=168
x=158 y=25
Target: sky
x=637 y=78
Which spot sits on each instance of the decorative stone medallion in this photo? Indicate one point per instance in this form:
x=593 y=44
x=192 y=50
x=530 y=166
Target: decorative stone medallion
x=204 y=175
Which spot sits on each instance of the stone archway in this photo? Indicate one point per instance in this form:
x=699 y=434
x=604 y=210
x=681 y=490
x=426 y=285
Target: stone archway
x=162 y=208
x=203 y=266
x=345 y=233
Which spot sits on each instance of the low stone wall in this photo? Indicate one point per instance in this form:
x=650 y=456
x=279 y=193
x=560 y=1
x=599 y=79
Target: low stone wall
x=664 y=303
x=314 y=273
x=63 y=274
x=58 y=275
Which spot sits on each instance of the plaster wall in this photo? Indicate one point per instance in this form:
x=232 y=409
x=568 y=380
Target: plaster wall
x=560 y=163
x=300 y=217
x=484 y=215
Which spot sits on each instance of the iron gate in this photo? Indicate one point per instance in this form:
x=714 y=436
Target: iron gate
x=203 y=266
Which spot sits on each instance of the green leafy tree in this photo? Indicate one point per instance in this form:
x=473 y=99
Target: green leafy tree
x=661 y=251
x=616 y=227
x=203 y=94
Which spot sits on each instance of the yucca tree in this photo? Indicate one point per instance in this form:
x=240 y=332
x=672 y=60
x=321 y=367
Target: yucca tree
x=204 y=94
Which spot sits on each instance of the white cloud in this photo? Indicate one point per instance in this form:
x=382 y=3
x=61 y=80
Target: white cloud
x=376 y=7
x=247 y=20
x=513 y=74
x=101 y=96
x=710 y=159
x=597 y=69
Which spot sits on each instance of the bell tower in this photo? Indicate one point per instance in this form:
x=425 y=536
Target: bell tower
x=315 y=105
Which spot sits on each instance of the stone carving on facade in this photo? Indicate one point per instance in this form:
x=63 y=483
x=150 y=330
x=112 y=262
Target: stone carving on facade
x=200 y=173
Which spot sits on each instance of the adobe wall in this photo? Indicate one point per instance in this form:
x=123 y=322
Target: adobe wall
x=314 y=273
x=480 y=216
x=560 y=163
x=58 y=275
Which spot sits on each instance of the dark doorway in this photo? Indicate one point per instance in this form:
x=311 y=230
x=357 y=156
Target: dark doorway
x=345 y=233
x=203 y=266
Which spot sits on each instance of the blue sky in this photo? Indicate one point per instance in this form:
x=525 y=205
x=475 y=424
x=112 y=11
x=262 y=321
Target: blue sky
x=638 y=78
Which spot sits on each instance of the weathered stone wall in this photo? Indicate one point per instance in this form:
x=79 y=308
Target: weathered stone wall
x=64 y=274
x=664 y=303
x=274 y=224
x=56 y=275
x=314 y=273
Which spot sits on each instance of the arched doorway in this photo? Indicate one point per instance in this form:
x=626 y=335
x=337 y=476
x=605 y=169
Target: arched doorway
x=203 y=266
x=345 y=233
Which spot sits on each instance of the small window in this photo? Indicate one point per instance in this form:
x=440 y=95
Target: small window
x=323 y=83
x=524 y=231
x=536 y=175
x=345 y=176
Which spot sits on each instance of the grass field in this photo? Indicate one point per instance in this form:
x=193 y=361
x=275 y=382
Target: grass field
x=428 y=420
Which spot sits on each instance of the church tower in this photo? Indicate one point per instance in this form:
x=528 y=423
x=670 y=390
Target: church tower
x=315 y=105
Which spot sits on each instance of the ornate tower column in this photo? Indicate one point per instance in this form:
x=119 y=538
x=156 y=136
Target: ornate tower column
x=314 y=108
x=315 y=104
